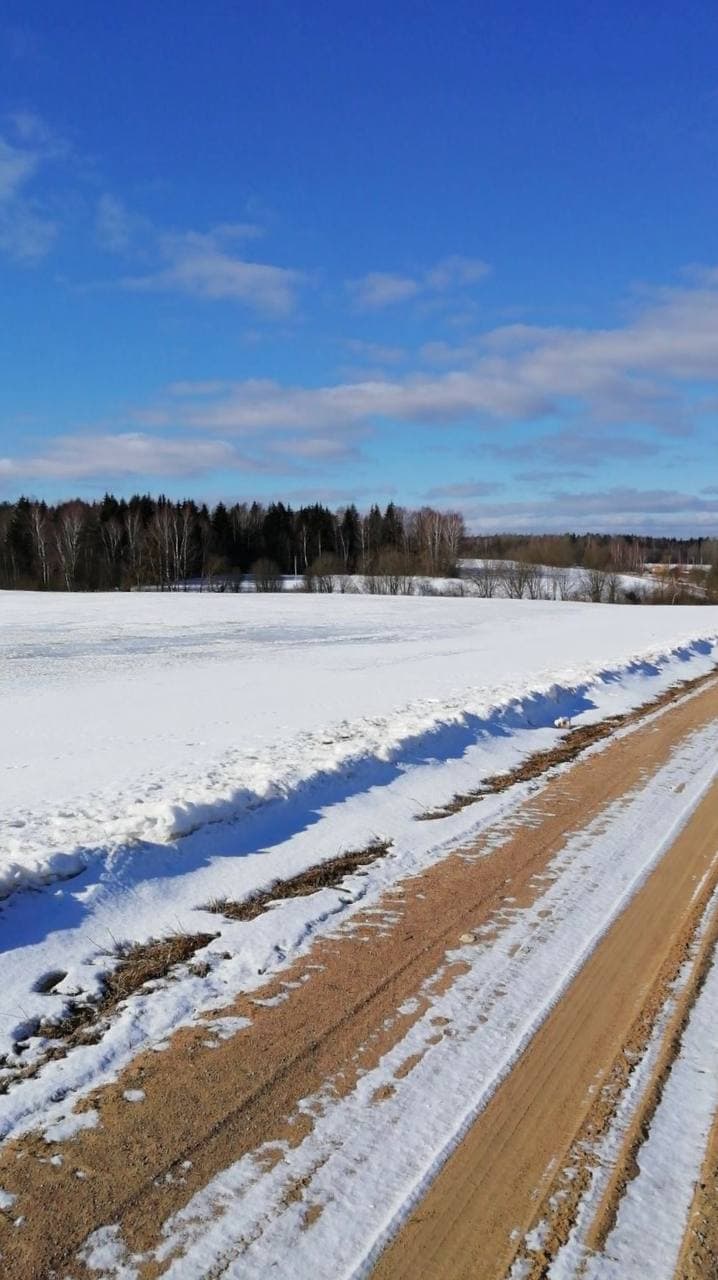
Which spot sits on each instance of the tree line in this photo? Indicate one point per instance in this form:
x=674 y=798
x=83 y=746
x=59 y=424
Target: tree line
x=619 y=553
x=119 y=544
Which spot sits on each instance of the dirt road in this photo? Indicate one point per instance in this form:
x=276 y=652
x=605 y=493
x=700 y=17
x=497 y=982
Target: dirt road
x=329 y=1018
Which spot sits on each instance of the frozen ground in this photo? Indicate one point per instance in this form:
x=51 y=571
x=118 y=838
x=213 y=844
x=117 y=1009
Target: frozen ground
x=559 y=583
x=139 y=718
x=164 y=750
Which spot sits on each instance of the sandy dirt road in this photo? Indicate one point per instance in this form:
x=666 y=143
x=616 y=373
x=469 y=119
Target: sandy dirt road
x=210 y=1104
x=499 y=1179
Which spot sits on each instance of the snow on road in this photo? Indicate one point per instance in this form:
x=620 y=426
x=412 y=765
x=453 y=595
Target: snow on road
x=160 y=751
x=656 y=1203
x=270 y=732
x=364 y=1167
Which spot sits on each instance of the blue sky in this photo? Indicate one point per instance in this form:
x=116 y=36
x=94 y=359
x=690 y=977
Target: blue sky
x=434 y=252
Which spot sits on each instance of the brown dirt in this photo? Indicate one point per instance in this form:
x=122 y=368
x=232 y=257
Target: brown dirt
x=327 y=875
x=210 y=1105
x=498 y=1180
x=572 y=745
x=562 y=1198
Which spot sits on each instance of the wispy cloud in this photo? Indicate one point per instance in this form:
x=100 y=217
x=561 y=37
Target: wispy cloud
x=572 y=446
x=126 y=454
x=460 y=492
x=26 y=235
x=620 y=509
x=643 y=372
x=262 y=404
x=377 y=353
x=115 y=226
x=16 y=168
x=202 y=266
x=455 y=272
x=27 y=232
x=380 y=289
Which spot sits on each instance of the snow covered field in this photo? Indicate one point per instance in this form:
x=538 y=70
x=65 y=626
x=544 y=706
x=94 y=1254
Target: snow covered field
x=139 y=718
x=556 y=583
x=164 y=750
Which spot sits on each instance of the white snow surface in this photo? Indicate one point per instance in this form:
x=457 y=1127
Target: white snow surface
x=139 y=717
x=163 y=750
x=366 y=1165
x=561 y=583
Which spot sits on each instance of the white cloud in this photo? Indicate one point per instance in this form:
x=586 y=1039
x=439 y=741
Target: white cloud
x=30 y=128
x=16 y=168
x=104 y=456
x=458 y=492
x=25 y=235
x=314 y=448
x=579 y=446
x=383 y=289
x=259 y=404
x=624 y=510
x=115 y=226
x=82 y=457
x=375 y=352
x=640 y=373
x=199 y=264
x=119 y=229
x=456 y=272
x=26 y=231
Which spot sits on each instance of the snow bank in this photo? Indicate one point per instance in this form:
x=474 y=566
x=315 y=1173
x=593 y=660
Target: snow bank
x=136 y=719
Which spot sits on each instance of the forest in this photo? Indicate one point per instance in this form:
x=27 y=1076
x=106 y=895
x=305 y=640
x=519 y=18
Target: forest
x=124 y=544
x=144 y=541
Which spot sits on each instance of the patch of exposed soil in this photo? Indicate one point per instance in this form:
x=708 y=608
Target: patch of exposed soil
x=327 y=875
x=84 y=1020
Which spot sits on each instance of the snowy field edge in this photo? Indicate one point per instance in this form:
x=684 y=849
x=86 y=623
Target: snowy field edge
x=135 y=727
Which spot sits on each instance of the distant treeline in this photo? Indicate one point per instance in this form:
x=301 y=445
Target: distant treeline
x=114 y=543
x=622 y=553
x=145 y=541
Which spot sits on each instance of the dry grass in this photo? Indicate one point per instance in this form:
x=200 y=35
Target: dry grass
x=571 y=745
x=327 y=875
x=140 y=962
x=82 y=1021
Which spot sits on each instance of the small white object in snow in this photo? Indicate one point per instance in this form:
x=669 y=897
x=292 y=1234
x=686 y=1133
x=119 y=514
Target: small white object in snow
x=563 y=722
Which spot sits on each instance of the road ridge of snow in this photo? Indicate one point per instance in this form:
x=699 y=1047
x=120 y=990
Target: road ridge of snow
x=670 y=1159
x=134 y=897
x=319 y=761
x=400 y=1145
x=572 y=1257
